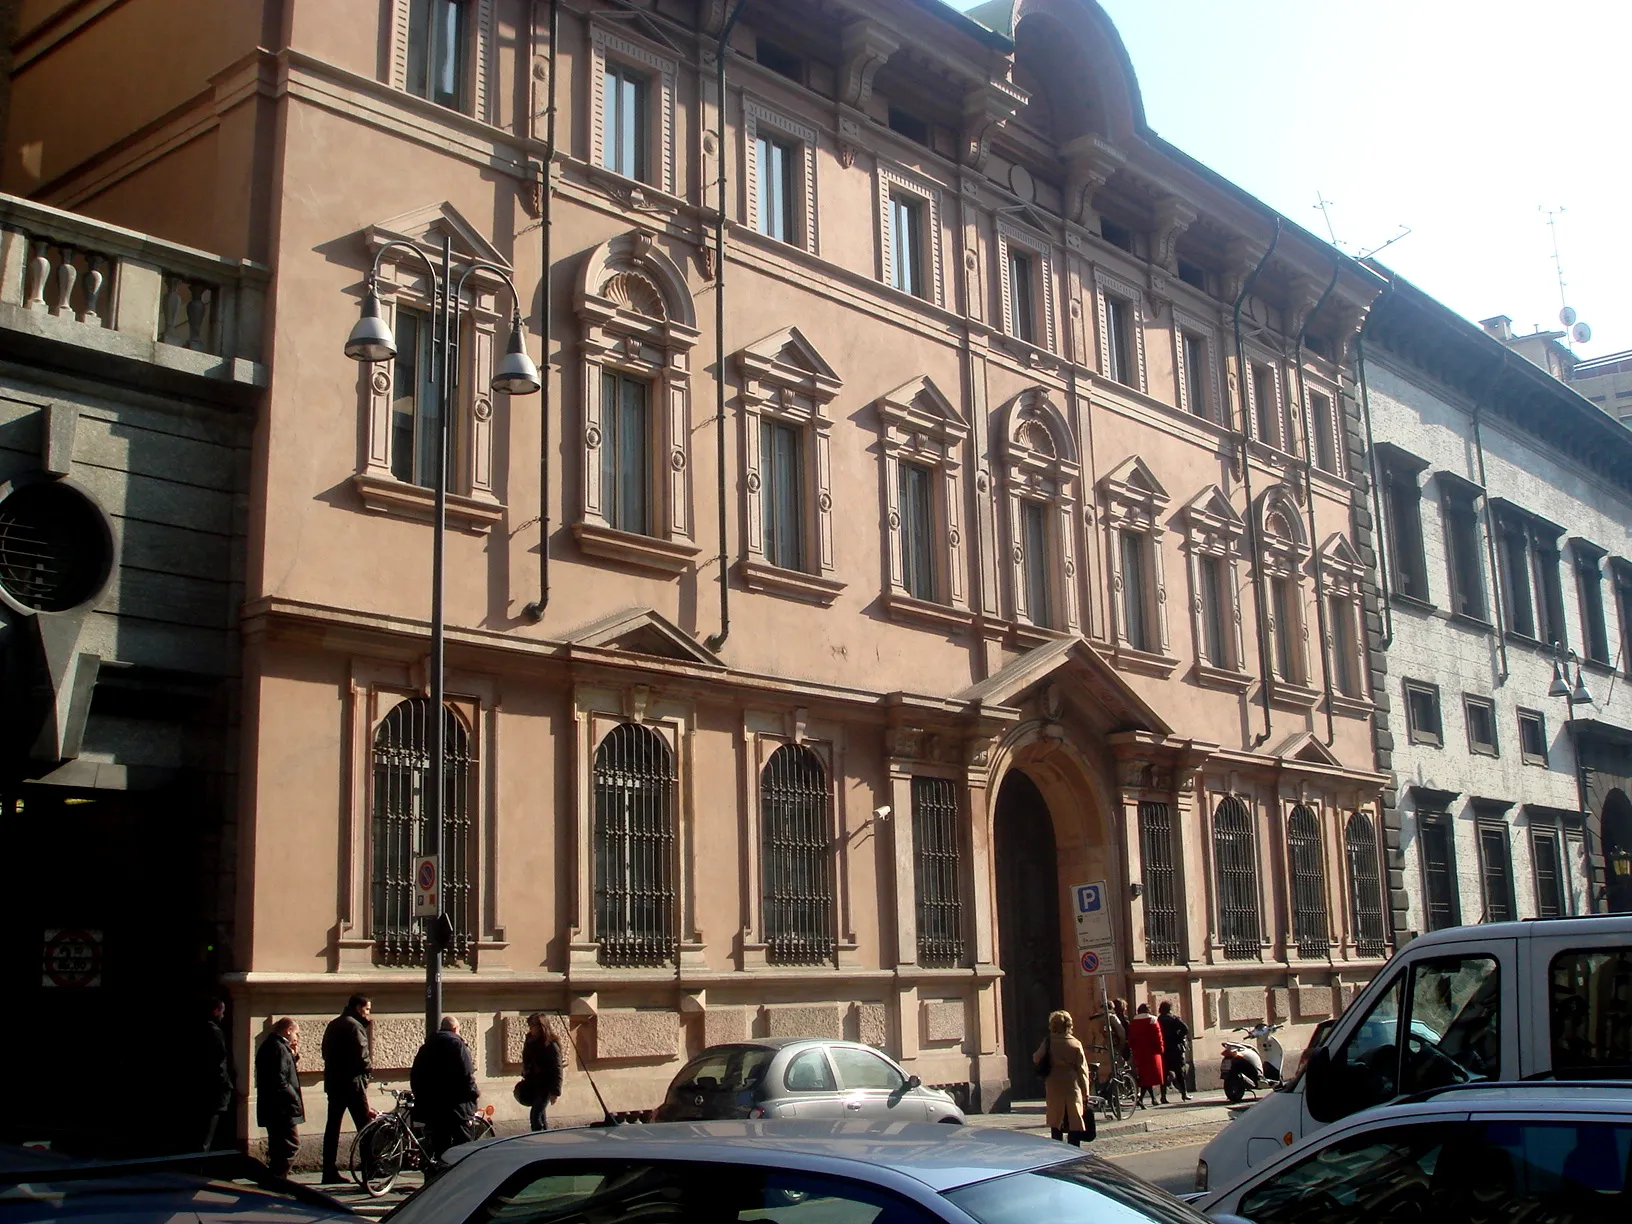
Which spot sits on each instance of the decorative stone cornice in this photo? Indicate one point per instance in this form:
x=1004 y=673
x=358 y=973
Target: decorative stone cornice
x=865 y=46
x=1301 y=297
x=1241 y=256
x=1173 y=217
x=985 y=110
x=1090 y=161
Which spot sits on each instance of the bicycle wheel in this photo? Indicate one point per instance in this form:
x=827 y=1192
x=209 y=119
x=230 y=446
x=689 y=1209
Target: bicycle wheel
x=481 y=1127
x=378 y=1152
x=1113 y=1098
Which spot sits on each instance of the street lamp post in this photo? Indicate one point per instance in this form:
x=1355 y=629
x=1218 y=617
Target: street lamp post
x=1574 y=694
x=371 y=341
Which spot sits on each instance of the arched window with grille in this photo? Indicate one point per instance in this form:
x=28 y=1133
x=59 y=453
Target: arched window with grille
x=1309 y=927
x=1365 y=886
x=402 y=780
x=796 y=858
x=1236 y=867
x=634 y=847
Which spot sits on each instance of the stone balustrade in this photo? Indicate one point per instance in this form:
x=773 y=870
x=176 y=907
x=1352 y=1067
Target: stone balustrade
x=126 y=295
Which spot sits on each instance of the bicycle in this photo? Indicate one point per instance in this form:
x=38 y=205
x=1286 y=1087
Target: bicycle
x=1119 y=1086
x=394 y=1141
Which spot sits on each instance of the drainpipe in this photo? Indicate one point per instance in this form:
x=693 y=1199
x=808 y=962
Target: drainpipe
x=534 y=612
x=1378 y=534
x=1490 y=519
x=1246 y=479
x=1309 y=492
x=715 y=641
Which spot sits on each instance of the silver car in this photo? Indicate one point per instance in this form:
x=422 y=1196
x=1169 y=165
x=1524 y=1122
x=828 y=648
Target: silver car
x=799 y=1077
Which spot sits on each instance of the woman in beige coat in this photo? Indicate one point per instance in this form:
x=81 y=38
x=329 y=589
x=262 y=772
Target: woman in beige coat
x=1066 y=1089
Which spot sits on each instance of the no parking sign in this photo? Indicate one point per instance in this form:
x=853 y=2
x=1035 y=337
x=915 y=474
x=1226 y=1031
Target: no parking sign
x=427 y=888
x=1095 y=961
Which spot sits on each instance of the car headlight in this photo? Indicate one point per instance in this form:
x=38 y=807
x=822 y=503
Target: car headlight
x=1201 y=1176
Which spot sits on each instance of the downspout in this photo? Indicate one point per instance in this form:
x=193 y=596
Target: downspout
x=1246 y=478
x=534 y=612
x=1378 y=534
x=1309 y=493
x=1490 y=519
x=715 y=641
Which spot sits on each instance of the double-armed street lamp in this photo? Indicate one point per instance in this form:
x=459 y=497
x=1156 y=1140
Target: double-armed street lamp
x=1575 y=694
x=516 y=374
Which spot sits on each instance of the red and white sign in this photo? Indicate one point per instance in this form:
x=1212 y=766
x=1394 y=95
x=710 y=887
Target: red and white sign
x=427 y=888
x=72 y=958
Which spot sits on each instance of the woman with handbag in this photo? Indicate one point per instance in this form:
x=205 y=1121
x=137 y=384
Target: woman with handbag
x=541 y=1068
x=1063 y=1064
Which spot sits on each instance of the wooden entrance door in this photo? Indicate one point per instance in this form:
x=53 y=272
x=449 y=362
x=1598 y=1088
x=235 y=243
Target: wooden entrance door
x=1028 y=918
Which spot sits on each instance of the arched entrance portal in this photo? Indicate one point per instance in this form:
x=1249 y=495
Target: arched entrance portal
x=1028 y=917
x=1618 y=851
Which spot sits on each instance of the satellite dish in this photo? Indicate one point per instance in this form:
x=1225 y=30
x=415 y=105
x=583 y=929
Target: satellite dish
x=1567 y=315
x=1580 y=333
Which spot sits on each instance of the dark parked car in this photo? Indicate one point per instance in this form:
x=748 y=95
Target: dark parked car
x=794 y=1077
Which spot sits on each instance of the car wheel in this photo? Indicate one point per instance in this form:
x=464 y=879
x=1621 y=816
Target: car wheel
x=950 y=1120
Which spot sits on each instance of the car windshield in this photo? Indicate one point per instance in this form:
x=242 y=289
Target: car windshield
x=1085 y=1189
x=726 y=1069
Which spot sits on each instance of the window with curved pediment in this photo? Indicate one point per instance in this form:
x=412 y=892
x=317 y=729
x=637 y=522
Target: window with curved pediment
x=1283 y=549
x=1213 y=533
x=637 y=328
x=1342 y=578
x=923 y=436
x=1134 y=502
x=1040 y=476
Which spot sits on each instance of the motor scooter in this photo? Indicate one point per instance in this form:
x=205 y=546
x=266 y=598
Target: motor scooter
x=1254 y=1066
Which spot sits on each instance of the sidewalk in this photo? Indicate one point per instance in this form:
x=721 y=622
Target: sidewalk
x=1203 y=1109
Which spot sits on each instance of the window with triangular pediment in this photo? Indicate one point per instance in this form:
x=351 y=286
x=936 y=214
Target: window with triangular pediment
x=1134 y=502
x=1212 y=543
x=923 y=437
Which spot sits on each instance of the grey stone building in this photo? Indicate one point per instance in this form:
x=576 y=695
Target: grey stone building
x=1505 y=556
x=128 y=378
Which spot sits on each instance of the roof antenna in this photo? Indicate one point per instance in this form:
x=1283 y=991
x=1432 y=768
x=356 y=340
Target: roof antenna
x=1580 y=333
x=1325 y=207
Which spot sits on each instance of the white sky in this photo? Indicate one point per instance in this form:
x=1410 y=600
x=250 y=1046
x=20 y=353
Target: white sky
x=1457 y=118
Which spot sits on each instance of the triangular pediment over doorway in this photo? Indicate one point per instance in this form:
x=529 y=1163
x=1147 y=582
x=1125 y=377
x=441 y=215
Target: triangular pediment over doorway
x=1073 y=658
x=641 y=631
x=425 y=228
x=1306 y=748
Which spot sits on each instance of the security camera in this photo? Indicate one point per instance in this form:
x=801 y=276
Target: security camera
x=881 y=813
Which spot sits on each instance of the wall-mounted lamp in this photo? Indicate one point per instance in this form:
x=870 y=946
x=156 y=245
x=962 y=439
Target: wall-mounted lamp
x=882 y=813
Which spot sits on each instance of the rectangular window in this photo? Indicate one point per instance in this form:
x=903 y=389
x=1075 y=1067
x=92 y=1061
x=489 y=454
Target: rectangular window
x=909 y=125
x=1135 y=614
x=1422 y=713
x=1195 y=376
x=1438 y=871
x=775 y=162
x=782 y=491
x=1265 y=406
x=1119 y=343
x=1515 y=578
x=1496 y=873
x=1532 y=737
x=1407 y=562
x=438 y=31
x=1481 y=719
x=1283 y=601
x=1214 y=642
x=1193 y=275
x=1549 y=594
x=918 y=530
x=1022 y=306
x=1325 y=427
x=1161 y=900
x=1549 y=878
x=1623 y=611
x=1345 y=647
x=1034 y=542
x=624 y=145
x=1589 y=589
x=935 y=846
x=907 y=243
x=415 y=415
x=626 y=473
x=1462 y=557
x=780 y=60
x=1119 y=236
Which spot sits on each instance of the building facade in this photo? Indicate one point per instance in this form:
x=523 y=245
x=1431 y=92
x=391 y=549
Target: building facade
x=1506 y=499
x=986 y=516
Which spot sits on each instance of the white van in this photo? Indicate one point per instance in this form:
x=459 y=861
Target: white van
x=1539 y=999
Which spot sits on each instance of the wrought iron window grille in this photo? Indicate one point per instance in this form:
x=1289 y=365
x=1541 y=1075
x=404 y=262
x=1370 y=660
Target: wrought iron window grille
x=938 y=872
x=1161 y=879
x=1240 y=932
x=797 y=858
x=634 y=848
x=1365 y=886
x=1309 y=924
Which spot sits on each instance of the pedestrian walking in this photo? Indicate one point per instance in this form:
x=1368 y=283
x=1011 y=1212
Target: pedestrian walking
x=1061 y=1062
x=1116 y=1028
x=278 y=1105
x=216 y=1082
x=1145 y=1041
x=541 y=1069
x=1175 y=1035
x=443 y=1080
x=347 y=1054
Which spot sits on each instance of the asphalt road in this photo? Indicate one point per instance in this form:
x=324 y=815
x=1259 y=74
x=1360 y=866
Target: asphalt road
x=1171 y=1168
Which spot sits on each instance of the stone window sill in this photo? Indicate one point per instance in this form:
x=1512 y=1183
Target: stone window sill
x=1209 y=676
x=387 y=495
x=793 y=584
x=646 y=552
x=1143 y=662
x=1352 y=707
x=903 y=607
x=1293 y=696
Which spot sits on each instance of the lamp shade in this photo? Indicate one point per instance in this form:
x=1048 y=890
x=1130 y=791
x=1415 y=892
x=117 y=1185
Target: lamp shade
x=1581 y=696
x=371 y=339
x=1560 y=687
x=516 y=374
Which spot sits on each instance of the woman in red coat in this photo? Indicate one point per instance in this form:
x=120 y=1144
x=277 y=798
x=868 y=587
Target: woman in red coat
x=1145 y=1040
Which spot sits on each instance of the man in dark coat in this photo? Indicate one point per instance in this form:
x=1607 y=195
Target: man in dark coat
x=216 y=1082
x=443 y=1080
x=1175 y=1032
x=278 y=1104
x=346 y=1068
